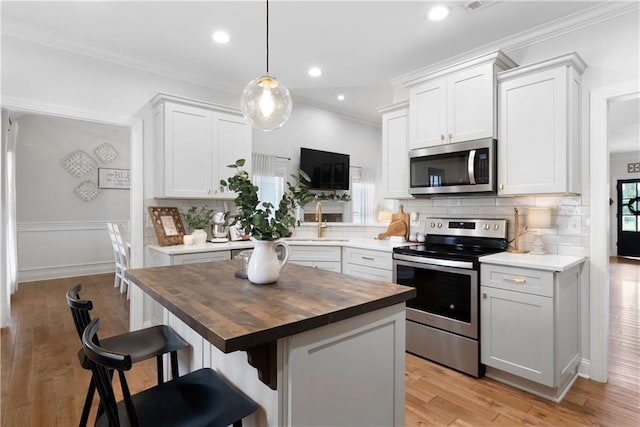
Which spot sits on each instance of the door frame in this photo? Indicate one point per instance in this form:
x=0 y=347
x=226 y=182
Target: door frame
x=619 y=231
x=599 y=204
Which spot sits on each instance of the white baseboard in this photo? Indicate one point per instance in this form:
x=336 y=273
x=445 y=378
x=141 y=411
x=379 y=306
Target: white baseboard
x=60 y=272
x=584 y=370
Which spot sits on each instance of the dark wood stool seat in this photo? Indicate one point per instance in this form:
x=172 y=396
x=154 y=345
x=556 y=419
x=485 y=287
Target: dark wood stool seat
x=200 y=398
x=141 y=345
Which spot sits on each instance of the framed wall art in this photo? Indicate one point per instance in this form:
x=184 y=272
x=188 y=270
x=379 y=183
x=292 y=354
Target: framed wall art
x=167 y=224
x=119 y=179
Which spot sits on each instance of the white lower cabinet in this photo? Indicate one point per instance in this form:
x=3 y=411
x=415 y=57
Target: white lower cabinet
x=530 y=327
x=323 y=257
x=367 y=264
x=161 y=259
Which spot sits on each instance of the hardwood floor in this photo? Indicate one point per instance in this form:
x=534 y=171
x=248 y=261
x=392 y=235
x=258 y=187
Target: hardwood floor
x=43 y=384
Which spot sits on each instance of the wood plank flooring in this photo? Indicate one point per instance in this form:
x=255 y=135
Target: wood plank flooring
x=42 y=383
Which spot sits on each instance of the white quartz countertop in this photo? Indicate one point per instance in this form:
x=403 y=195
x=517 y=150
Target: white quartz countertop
x=357 y=242
x=549 y=262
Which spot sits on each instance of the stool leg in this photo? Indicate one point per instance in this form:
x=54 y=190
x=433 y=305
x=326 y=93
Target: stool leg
x=174 y=365
x=160 y=369
x=87 y=404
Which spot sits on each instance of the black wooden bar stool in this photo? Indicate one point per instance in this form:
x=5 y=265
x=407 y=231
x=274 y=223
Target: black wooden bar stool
x=200 y=398
x=139 y=345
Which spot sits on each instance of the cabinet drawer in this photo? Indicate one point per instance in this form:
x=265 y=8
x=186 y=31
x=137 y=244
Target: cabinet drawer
x=529 y=281
x=366 y=272
x=314 y=253
x=368 y=258
x=201 y=257
x=334 y=266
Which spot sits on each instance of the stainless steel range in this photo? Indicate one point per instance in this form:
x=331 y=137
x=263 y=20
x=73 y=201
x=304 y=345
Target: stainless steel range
x=443 y=320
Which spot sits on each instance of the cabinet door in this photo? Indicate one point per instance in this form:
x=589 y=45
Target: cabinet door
x=516 y=332
x=187 y=151
x=201 y=257
x=395 y=158
x=471 y=104
x=533 y=134
x=232 y=136
x=427 y=114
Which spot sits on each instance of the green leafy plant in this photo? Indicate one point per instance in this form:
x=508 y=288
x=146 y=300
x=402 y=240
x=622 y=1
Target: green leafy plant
x=198 y=218
x=263 y=221
x=344 y=197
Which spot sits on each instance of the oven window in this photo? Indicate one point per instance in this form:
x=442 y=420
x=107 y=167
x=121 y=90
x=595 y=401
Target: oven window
x=438 y=292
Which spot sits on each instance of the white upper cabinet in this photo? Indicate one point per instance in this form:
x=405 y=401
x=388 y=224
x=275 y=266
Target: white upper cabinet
x=539 y=131
x=194 y=143
x=456 y=104
x=395 y=149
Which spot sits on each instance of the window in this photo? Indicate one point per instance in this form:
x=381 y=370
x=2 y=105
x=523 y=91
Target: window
x=362 y=196
x=269 y=174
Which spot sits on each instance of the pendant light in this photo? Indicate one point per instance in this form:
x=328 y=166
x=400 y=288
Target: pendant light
x=265 y=101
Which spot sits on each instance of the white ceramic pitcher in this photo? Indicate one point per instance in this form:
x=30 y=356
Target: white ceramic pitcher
x=264 y=265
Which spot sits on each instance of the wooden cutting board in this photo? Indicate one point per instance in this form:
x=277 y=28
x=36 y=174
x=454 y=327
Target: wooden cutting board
x=396 y=228
x=404 y=217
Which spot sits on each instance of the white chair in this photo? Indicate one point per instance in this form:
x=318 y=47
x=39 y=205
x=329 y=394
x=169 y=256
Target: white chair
x=121 y=255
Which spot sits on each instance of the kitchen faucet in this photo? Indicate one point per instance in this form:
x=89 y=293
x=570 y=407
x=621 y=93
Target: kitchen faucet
x=319 y=219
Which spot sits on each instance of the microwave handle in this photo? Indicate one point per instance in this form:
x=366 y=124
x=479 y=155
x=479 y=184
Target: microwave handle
x=470 y=168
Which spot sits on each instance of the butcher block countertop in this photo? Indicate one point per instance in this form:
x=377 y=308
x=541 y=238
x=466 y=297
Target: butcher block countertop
x=233 y=314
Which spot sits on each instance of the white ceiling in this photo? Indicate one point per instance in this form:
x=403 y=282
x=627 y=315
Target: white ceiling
x=360 y=45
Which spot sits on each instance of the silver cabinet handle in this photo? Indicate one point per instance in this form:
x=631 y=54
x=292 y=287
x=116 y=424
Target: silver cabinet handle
x=367 y=258
x=514 y=280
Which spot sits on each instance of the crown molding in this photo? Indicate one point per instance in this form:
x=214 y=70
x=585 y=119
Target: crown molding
x=393 y=107
x=35 y=107
x=558 y=27
x=567 y=60
x=162 y=97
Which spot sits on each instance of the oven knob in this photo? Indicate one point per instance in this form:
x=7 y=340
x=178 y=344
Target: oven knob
x=433 y=224
x=496 y=227
x=452 y=307
x=439 y=225
x=486 y=226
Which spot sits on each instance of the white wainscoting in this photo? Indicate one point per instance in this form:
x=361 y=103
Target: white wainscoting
x=52 y=250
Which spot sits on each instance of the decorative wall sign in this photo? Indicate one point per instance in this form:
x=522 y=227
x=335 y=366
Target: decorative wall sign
x=87 y=190
x=167 y=225
x=119 y=179
x=105 y=152
x=633 y=167
x=78 y=163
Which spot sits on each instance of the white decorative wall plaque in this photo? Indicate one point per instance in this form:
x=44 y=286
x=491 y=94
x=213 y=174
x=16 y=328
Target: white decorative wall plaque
x=106 y=152
x=119 y=179
x=78 y=163
x=87 y=190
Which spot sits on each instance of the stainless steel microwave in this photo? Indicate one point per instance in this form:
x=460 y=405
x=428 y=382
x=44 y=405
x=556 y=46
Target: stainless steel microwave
x=462 y=167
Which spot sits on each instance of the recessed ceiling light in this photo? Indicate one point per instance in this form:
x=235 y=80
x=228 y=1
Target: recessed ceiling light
x=341 y=97
x=314 y=72
x=221 y=37
x=438 y=12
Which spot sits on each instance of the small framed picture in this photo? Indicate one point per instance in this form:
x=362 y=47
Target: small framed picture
x=167 y=224
x=117 y=179
x=236 y=233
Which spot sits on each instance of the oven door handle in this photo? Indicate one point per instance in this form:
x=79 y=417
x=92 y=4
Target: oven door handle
x=418 y=260
x=470 y=167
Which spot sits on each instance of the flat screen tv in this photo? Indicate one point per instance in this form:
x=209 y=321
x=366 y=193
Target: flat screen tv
x=327 y=170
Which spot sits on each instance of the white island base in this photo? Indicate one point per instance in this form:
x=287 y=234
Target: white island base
x=348 y=373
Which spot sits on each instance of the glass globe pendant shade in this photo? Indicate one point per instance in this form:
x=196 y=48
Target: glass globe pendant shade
x=266 y=103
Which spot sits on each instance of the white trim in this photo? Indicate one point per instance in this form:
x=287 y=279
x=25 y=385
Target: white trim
x=62 y=271
x=29 y=106
x=599 y=190
x=584 y=369
x=591 y=16
x=32 y=227
x=567 y=60
x=162 y=97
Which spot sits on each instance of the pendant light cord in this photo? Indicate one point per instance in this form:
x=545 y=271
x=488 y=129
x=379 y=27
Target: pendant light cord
x=267 y=37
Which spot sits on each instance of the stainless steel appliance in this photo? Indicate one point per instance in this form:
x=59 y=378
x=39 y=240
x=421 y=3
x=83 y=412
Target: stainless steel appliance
x=443 y=320
x=463 y=167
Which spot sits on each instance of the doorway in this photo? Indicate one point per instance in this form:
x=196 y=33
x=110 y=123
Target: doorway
x=628 y=217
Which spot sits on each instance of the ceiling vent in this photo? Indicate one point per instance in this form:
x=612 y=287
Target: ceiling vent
x=474 y=5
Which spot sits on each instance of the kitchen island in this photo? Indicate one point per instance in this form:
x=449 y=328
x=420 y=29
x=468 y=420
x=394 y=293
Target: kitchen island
x=315 y=348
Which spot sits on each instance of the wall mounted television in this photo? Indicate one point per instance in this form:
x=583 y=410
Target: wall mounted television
x=327 y=170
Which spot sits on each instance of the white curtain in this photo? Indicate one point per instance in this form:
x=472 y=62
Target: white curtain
x=268 y=173
x=9 y=265
x=362 y=195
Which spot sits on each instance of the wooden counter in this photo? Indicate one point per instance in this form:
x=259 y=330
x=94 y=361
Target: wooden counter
x=234 y=314
x=328 y=348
